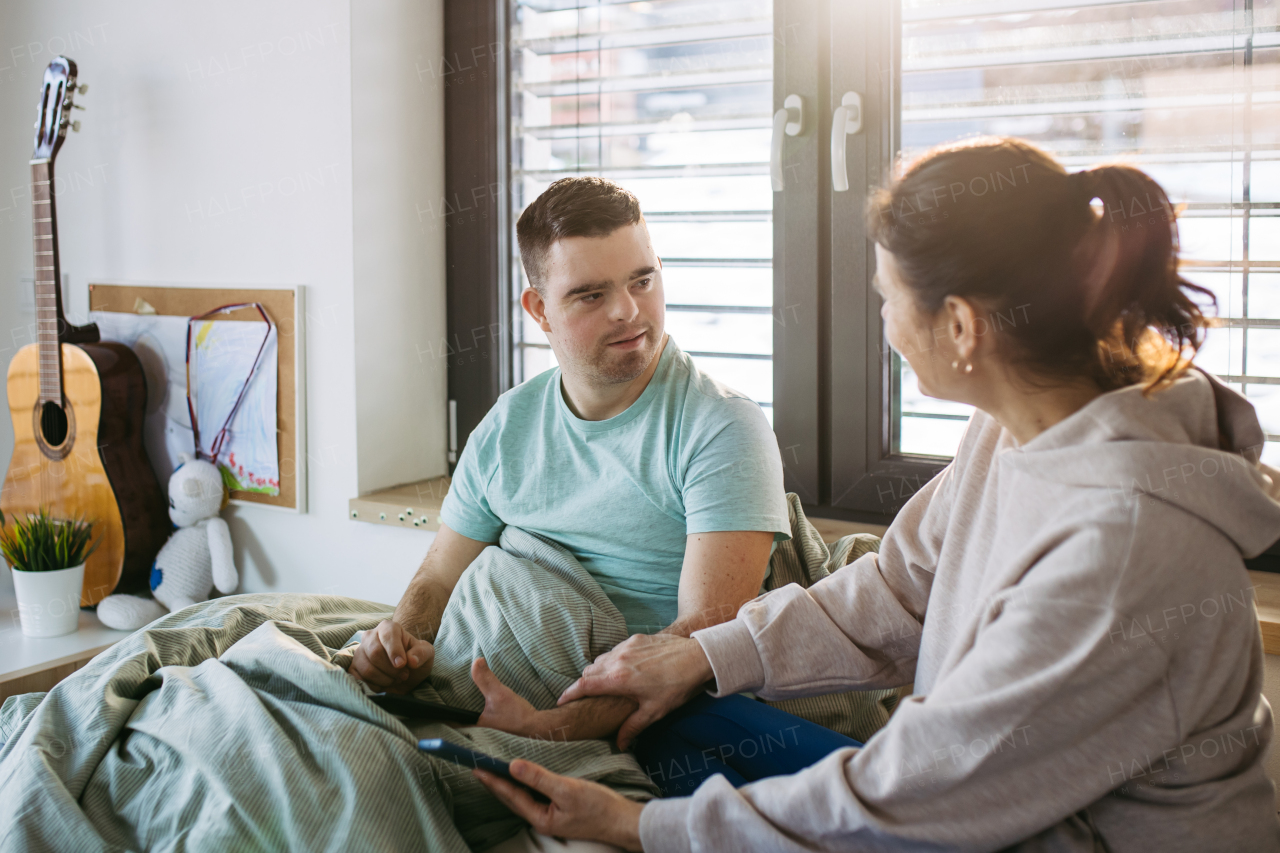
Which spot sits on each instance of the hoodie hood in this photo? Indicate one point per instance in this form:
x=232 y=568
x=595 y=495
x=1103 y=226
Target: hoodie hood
x=1194 y=444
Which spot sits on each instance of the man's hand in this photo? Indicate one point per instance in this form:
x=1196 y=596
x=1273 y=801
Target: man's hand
x=392 y=659
x=508 y=711
x=578 y=808
x=504 y=709
x=659 y=672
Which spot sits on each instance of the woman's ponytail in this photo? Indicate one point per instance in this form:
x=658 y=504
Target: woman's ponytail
x=1134 y=297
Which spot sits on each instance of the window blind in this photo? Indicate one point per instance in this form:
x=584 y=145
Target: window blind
x=1184 y=89
x=671 y=99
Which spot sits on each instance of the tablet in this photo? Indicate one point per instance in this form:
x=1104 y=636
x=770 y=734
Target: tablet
x=420 y=709
x=463 y=757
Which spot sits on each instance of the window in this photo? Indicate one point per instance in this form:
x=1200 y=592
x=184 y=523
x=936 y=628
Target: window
x=672 y=99
x=770 y=290
x=1184 y=89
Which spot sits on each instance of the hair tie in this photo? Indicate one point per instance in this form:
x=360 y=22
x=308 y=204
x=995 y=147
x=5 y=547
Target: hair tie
x=1082 y=181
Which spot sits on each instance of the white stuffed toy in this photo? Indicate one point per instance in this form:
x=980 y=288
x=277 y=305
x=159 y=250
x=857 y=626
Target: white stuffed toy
x=196 y=557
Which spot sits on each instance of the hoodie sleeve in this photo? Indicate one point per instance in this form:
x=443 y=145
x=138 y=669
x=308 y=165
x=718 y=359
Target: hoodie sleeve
x=1040 y=718
x=860 y=627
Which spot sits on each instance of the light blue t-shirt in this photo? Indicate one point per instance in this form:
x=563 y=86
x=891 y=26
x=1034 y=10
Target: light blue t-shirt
x=688 y=456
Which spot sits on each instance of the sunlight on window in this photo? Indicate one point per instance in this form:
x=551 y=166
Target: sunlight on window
x=1184 y=89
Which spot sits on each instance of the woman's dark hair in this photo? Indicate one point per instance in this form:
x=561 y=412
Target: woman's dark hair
x=1073 y=289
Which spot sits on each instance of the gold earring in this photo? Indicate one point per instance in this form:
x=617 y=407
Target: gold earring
x=968 y=368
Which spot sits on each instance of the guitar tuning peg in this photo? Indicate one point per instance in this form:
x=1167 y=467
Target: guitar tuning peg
x=78 y=107
x=82 y=88
x=75 y=125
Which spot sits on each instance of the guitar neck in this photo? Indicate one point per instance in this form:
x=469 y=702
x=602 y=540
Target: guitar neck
x=52 y=327
x=49 y=322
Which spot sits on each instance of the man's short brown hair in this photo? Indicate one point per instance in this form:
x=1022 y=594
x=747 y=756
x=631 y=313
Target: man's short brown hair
x=571 y=207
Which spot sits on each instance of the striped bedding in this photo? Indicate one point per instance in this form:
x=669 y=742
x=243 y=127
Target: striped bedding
x=232 y=724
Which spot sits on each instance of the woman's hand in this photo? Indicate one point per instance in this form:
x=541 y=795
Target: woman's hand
x=578 y=808
x=660 y=672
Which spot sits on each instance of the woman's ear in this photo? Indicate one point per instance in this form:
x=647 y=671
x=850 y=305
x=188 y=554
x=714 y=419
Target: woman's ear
x=966 y=327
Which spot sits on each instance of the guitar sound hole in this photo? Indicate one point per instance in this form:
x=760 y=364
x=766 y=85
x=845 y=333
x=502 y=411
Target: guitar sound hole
x=53 y=423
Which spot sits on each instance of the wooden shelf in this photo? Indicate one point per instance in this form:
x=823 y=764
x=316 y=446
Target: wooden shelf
x=30 y=665
x=413 y=505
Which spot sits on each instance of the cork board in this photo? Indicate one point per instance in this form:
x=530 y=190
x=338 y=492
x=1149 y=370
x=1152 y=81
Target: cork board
x=284 y=307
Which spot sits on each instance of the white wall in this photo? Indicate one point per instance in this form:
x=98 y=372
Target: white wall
x=397 y=119
x=220 y=147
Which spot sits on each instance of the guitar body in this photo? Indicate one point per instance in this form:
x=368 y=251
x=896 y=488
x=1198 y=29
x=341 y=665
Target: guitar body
x=100 y=471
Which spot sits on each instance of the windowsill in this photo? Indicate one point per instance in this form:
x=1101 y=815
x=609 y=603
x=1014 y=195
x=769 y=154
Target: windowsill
x=831 y=529
x=1266 y=587
x=401 y=506
x=413 y=505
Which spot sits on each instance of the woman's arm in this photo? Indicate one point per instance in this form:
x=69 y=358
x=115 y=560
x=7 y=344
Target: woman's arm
x=858 y=628
x=1043 y=716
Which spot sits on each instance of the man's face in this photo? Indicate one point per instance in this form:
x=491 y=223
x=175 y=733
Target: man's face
x=602 y=305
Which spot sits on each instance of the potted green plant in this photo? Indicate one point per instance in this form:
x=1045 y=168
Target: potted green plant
x=47 y=557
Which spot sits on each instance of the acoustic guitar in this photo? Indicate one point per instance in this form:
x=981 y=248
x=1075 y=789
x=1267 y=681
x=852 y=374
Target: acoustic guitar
x=78 y=404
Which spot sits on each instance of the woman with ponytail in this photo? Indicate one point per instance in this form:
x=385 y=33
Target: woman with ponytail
x=1068 y=597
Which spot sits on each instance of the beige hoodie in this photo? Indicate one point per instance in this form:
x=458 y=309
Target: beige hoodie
x=1080 y=629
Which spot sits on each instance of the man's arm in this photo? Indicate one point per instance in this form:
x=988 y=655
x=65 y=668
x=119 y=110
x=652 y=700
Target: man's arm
x=422 y=604
x=397 y=655
x=721 y=572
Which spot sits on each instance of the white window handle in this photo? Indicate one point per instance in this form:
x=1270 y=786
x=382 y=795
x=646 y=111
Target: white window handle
x=846 y=122
x=783 y=122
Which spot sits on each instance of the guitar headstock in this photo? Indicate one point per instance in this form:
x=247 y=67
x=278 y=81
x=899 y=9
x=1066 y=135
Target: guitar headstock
x=53 y=113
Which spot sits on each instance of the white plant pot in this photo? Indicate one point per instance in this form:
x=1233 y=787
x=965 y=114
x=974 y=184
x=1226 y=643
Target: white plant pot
x=49 y=602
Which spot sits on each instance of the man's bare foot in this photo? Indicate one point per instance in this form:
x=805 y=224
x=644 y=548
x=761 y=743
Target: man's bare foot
x=504 y=709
